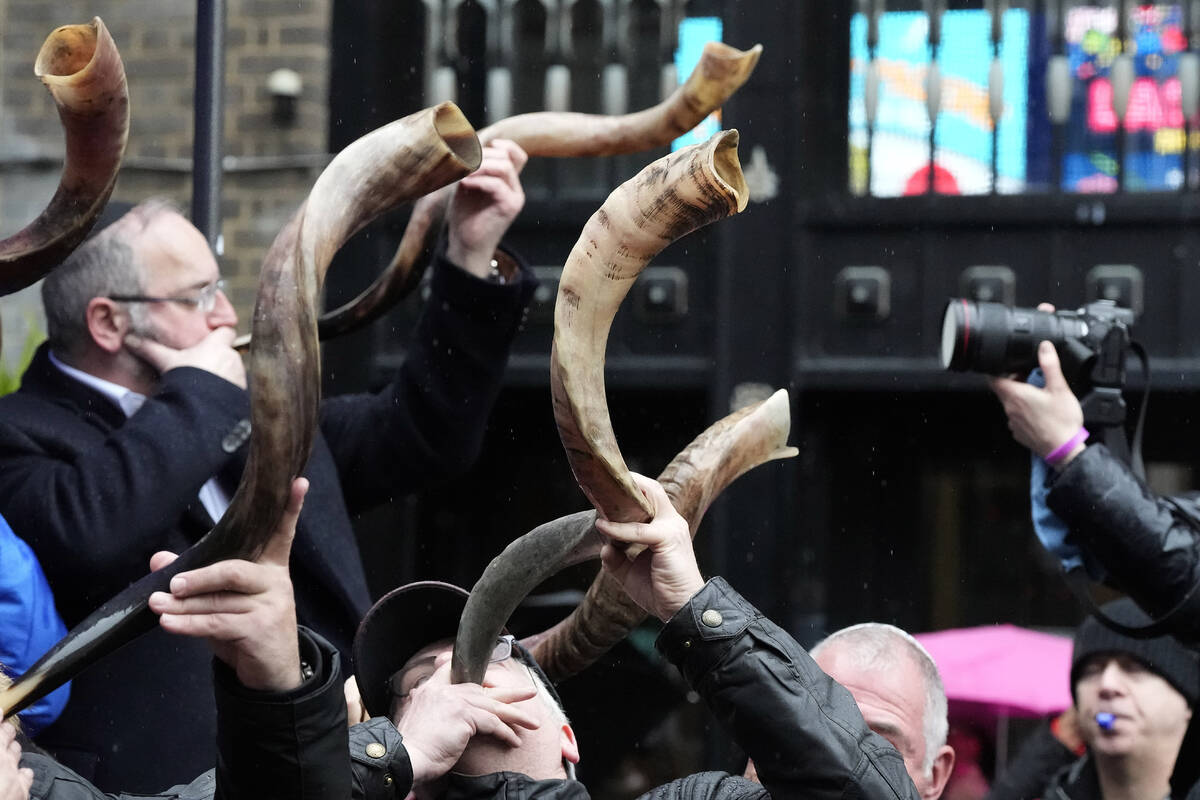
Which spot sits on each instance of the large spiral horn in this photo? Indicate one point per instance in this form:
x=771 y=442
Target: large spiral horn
x=82 y=69
x=672 y=197
x=726 y=450
x=720 y=72
x=391 y=165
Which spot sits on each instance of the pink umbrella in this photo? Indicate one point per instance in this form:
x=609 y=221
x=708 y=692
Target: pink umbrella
x=1002 y=670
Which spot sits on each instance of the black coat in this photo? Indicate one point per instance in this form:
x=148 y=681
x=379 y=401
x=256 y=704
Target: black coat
x=1149 y=544
x=284 y=745
x=804 y=730
x=95 y=495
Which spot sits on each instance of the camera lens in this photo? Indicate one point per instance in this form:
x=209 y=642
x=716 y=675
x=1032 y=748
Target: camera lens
x=997 y=340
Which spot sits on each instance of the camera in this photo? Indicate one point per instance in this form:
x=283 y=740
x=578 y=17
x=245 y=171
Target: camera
x=997 y=340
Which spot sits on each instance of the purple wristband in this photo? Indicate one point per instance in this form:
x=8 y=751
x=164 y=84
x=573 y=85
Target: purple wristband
x=1059 y=453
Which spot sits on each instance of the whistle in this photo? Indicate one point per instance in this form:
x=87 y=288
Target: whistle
x=1105 y=720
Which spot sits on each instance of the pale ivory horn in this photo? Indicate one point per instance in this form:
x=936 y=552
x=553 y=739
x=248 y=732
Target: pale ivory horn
x=82 y=69
x=720 y=72
x=389 y=166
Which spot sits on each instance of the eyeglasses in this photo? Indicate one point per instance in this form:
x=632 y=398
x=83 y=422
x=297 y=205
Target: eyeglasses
x=203 y=301
x=502 y=651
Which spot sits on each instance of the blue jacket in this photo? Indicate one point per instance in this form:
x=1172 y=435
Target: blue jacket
x=29 y=623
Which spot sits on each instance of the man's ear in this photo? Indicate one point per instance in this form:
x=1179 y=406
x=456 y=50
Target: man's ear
x=570 y=748
x=943 y=765
x=107 y=324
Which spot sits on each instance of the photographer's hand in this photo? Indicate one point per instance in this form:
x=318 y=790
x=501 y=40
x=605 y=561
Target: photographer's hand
x=1042 y=419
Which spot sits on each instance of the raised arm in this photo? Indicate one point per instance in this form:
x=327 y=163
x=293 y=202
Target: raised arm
x=804 y=731
x=281 y=714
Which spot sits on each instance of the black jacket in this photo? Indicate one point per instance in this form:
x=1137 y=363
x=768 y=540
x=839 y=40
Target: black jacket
x=803 y=730
x=1041 y=756
x=1149 y=544
x=95 y=495
x=272 y=745
x=1079 y=781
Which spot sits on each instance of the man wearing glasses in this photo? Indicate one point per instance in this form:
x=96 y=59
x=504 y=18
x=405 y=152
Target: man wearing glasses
x=129 y=434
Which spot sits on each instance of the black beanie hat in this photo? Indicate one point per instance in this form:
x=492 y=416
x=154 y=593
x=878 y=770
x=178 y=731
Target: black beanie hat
x=1162 y=655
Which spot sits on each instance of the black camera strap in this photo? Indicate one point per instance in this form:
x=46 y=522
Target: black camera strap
x=1112 y=433
x=1115 y=440
x=1080 y=585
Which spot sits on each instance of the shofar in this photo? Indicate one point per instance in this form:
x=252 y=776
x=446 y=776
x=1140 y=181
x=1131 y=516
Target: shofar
x=389 y=166
x=720 y=72
x=82 y=69
x=727 y=449
x=670 y=198
x=665 y=201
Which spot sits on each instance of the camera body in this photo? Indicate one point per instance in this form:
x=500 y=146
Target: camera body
x=998 y=340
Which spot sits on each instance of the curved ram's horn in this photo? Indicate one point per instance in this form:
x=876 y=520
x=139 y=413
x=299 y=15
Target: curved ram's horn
x=673 y=196
x=82 y=69
x=727 y=449
x=406 y=159
x=720 y=72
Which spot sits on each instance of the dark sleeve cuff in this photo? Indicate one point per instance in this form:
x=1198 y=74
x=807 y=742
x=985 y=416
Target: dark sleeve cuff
x=380 y=762
x=697 y=637
x=284 y=744
x=482 y=301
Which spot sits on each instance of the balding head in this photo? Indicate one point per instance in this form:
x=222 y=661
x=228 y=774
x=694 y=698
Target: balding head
x=899 y=691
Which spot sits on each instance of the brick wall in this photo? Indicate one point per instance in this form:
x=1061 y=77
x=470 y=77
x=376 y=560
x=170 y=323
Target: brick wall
x=269 y=167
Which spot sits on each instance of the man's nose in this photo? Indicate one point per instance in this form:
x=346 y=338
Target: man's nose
x=223 y=313
x=1112 y=679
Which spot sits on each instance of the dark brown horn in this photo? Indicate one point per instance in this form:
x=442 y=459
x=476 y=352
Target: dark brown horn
x=726 y=450
x=406 y=159
x=720 y=72
x=82 y=69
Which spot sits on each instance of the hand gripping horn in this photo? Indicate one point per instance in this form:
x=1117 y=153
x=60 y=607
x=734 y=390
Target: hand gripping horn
x=668 y=199
x=726 y=450
x=82 y=69
x=720 y=72
x=391 y=165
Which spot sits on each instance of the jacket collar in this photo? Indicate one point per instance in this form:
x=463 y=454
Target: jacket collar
x=511 y=786
x=47 y=381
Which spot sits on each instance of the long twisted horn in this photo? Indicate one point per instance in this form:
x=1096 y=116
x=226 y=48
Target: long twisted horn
x=82 y=69
x=668 y=199
x=726 y=450
x=391 y=165
x=673 y=196
x=720 y=72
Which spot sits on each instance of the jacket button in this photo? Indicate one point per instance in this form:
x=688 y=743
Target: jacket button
x=712 y=618
x=236 y=437
x=376 y=750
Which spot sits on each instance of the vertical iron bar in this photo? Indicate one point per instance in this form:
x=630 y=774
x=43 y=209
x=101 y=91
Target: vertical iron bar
x=207 y=143
x=1122 y=134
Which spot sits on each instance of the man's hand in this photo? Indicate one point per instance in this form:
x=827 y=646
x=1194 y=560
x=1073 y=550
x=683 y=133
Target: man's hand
x=15 y=780
x=356 y=711
x=213 y=354
x=1042 y=419
x=485 y=203
x=438 y=720
x=664 y=576
x=246 y=610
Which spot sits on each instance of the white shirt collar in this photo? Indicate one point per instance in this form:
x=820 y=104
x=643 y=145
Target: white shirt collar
x=127 y=400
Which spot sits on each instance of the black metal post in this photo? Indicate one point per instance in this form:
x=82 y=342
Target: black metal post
x=207 y=142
